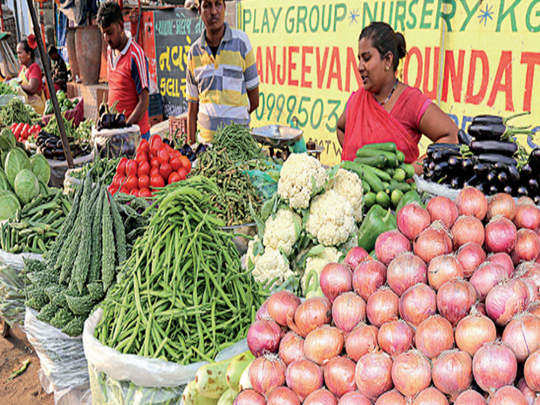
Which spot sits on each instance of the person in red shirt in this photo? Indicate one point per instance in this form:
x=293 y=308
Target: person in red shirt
x=128 y=69
x=30 y=75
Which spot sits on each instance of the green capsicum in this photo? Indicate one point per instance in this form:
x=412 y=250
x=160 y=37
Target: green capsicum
x=376 y=221
x=409 y=197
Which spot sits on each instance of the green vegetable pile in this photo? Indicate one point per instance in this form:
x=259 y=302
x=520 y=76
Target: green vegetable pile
x=98 y=169
x=5 y=88
x=238 y=142
x=182 y=295
x=65 y=103
x=17 y=111
x=11 y=294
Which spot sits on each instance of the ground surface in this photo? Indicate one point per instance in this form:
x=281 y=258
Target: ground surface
x=24 y=389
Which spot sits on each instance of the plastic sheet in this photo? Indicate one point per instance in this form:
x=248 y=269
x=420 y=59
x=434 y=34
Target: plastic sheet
x=435 y=189
x=60 y=167
x=64 y=370
x=113 y=143
x=123 y=379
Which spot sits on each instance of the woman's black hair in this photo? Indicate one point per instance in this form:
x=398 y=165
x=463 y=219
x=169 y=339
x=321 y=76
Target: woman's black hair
x=27 y=49
x=385 y=39
x=109 y=13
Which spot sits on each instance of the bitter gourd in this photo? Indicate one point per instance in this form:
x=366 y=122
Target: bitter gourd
x=47 y=313
x=80 y=305
x=95 y=261
x=107 y=248
x=119 y=231
x=61 y=318
x=74 y=327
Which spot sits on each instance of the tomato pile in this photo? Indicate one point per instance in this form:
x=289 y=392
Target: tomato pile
x=156 y=164
x=23 y=131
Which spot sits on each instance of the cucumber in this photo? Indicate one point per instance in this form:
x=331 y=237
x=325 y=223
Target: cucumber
x=379 y=161
x=228 y=397
x=386 y=146
x=210 y=379
x=401 y=186
x=399 y=174
x=396 y=197
x=352 y=166
x=236 y=368
x=369 y=199
x=369 y=152
x=365 y=186
x=378 y=172
x=382 y=199
x=409 y=170
x=400 y=156
x=375 y=184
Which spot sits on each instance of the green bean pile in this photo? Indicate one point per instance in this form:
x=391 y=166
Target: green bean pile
x=183 y=296
x=237 y=142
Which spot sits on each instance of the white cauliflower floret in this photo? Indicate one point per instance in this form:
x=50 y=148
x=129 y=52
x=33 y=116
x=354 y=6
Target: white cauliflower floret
x=352 y=241
x=314 y=266
x=282 y=231
x=331 y=219
x=271 y=265
x=251 y=258
x=299 y=176
x=349 y=185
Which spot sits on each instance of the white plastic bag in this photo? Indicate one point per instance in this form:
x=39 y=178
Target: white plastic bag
x=64 y=370
x=123 y=379
x=435 y=189
x=60 y=167
x=113 y=143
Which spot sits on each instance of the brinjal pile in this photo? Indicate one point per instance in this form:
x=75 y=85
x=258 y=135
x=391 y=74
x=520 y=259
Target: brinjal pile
x=50 y=146
x=487 y=158
x=110 y=119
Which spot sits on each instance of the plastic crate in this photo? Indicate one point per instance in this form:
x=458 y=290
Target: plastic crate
x=178 y=125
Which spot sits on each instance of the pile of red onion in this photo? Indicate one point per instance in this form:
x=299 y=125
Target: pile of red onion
x=449 y=313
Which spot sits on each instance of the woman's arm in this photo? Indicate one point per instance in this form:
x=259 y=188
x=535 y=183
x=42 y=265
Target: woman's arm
x=340 y=128
x=32 y=86
x=438 y=126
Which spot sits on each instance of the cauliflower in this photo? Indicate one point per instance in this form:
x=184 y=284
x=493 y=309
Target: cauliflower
x=349 y=185
x=282 y=231
x=271 y=265
x=251 y=257
x=352 y=241
x=314 y=266
x=300 y=176
x=331 y=219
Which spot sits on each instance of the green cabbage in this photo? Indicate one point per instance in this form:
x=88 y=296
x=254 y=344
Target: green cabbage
x=26 y=186
x=16 y=160
x=9 y=205
x=41 y=168
x=4 y=183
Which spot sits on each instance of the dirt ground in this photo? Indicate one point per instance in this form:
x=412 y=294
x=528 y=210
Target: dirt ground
x=24 y=389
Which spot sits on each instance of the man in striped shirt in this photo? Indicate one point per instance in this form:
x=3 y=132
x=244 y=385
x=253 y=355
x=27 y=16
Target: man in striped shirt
x=222 y=83
x=127 y=69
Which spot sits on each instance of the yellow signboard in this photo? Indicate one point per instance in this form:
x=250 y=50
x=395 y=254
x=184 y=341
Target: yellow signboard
x=470 y=56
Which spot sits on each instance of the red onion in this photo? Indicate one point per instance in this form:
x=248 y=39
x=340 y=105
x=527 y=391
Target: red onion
x=534 y=308
x=471 y=201
x=468 y=229
x=434 y=336
x=311 y=314
x=335 y=279
x=501 y=204
x=323 y=343
x=531 y=371
x=392 y=397
x=411 y=373
x=395 y=337
x=354 y=398
x=361 y=340
x=443 y=209
x=405 y=271
x=321 y=397
x=432 y=242
x=527 y=245
x=529 y=394
x=522 y=335
x=494 y=366
x=470 y=256
x=266 y=373
x=487 y=276
x=504 y=260
x=282 y=305
x=470 y=397
x=430 y=396
x=532 y=290
x=249 y=397
x=530 y=270
x=262 y=312
x=339 y=375
x=473 y=331
x=391 y=244
x=283 y=396
x=382 y=306
x=291 y=348
x=355 y=256
x=527 y=216
x=455 y=299
x=508 y=396
x=452 y=372
x=367 y=277
x=506 y=300
x=348 y=310
x=418 y=303
x=373 y=374
x=525 y=200
x=304 y=377
x=263 y=337
x=442 y=269
x=412 y=219
x=501 y=234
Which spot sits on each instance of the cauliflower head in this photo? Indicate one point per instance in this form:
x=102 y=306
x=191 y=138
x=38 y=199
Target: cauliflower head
x=349 y=185
x=299 y=176
x=271 y=265
x=282 y=230
x=331 y=219
x=352 y=241
x=314 y=266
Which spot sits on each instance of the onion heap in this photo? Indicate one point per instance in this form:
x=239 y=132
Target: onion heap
x=449 y=313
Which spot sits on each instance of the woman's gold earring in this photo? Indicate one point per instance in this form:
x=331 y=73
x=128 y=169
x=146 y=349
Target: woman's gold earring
x=387 y=68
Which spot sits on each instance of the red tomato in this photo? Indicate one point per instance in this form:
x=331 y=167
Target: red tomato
x=182 y=173
x=157 y=181
x=176 y=153
x=144 y=192
x=155 y=143
x=144 y=147
x=186 y=164
x=173 y=178
x=132 y=182
x=144 y=168
x=135 y=192
x=131 y=168
x=154 y=171
x=121 y=168
x=144 y=181
x=163 y=156
x=154 y=162
x=124 y=189
x=118 y=180
x=141 y=157
x=165 y=170
x=112 y=189
x=175 y=163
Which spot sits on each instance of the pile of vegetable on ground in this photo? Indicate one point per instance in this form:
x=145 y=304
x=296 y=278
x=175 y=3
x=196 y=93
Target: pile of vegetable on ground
x=447 y=313
x=49 y=143
x=182 y=295
x=16 y=111
x=63 y=101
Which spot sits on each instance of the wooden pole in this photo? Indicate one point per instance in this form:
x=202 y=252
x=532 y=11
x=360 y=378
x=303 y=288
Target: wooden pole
x=47 y=67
